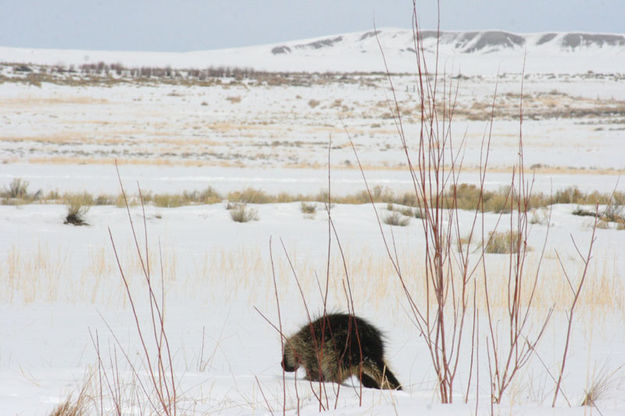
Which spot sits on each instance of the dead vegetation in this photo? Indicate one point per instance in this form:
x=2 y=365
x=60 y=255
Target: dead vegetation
x=463 y=196
x=77 y=207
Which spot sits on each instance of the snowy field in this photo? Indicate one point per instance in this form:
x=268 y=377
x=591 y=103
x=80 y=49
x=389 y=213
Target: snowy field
x=65 y=318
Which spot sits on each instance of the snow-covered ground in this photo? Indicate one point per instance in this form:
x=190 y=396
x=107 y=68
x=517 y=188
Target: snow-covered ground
x=274 y=136
x=63 y=301
x=61 y=284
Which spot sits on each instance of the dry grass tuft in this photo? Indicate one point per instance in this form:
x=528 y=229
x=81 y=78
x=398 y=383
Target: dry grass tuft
x=207 y=196
x=77 y=207
x=599 y=386
x=18 y=188
x=503 y=242
x=396 y=219
x=73 y=407
x=312 y=103
x=406 y=211
x=17 y=193
x=539 y=216
x=612 y=213
x=243 y=213
x=308 y=208
x=70 y=408
x=250 y=196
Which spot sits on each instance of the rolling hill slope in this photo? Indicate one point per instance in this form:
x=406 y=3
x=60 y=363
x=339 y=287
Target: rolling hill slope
x=483 y=52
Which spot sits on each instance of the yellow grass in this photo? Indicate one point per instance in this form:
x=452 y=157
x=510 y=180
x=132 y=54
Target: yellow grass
x=45 y=274
x=57 y=160
x=46 y=102
x=141 y=162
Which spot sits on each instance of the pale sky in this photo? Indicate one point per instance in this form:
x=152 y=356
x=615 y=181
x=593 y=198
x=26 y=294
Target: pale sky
x=186 y=25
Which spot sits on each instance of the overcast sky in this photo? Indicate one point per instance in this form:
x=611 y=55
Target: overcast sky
x=185 y=25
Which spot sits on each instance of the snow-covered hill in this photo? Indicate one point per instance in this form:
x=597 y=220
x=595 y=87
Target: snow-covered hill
x=483 y=52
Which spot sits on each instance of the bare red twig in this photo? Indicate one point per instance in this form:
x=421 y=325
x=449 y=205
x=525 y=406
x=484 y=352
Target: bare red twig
x=506 y=359
x=576 y=293
x=434 y=168
x=160 y=366
x=275 y=290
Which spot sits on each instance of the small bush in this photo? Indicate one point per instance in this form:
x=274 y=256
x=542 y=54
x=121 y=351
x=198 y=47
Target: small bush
x=168 y=200
x=104 y=199
x=411 y=212
x=581 y=212
x=77 y=207
x=396 y=219
x=17 y=192
x=409 y=199
x=539 y=216
x=18 y=188
x=250 y=196
x=52 y=196
x=503 y=242
x=569 y=195
x=242 y=213
x=613 y=213
x=209 y=196
x=307 y=208
x=406 y=211
x=120 y=202
x=313 y=103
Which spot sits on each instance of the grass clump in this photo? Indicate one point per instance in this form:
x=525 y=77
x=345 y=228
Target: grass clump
x=207 y=196
x=583 y=212
x=308 y=208
x=395 y=218
x=17 y=192
x=77 y=207
x=503 y=242
x=250 y=196
x=18 y=188
x=406 y=211
x=600 y=385
x=612 y=213
x=312 y=103
x=167 y=200
x=243 y=213
x=467 y=197
x=463 y=196
x=539 y=216
x=411 y=212
x=73 y=407
x=104 y=199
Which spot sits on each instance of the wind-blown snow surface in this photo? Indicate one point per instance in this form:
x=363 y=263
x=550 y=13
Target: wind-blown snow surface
x=485 y=52
x=64 y=288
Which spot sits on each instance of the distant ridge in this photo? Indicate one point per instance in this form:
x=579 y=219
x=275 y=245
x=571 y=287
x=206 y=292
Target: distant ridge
x=474 y=52
x=466 y=42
